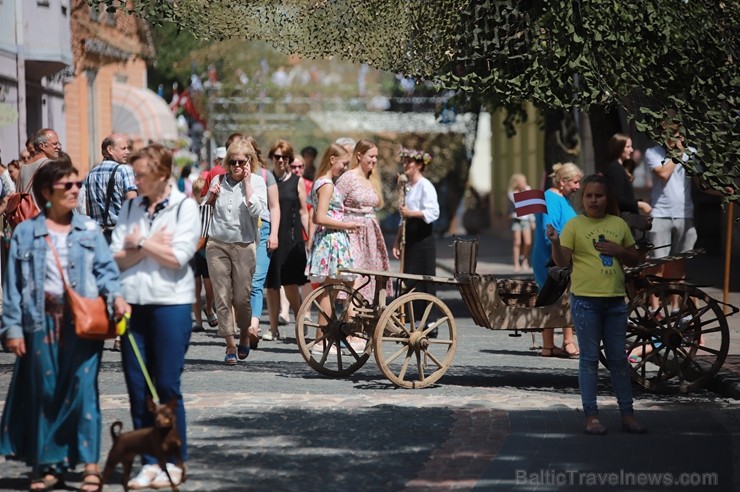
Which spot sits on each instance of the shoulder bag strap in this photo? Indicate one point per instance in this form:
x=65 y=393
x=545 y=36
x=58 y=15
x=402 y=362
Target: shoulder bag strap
x=109 y=191
x=56 y=258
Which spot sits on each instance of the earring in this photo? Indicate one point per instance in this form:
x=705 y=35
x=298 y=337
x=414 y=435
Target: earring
x=47 y=205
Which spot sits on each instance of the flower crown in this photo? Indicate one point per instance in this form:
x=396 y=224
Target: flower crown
x=417 y=155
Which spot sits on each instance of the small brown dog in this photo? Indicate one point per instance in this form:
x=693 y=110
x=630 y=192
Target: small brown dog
x=161 y=441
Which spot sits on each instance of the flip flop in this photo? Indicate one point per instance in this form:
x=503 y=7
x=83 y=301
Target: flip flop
x=242 y=351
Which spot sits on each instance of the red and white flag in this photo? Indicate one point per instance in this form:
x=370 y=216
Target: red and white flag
x=529 y=202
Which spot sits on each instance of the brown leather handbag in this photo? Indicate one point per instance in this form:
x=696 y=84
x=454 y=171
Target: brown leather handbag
x=90 y=316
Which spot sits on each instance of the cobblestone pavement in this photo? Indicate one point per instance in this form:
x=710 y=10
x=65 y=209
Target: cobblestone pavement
x=501 y=418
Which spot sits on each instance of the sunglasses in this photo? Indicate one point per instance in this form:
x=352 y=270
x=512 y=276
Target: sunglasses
x=67 y=185
x=297 y=166
x=276 y=157
x=238 y=162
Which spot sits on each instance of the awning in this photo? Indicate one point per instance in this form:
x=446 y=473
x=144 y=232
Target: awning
x=141 y=113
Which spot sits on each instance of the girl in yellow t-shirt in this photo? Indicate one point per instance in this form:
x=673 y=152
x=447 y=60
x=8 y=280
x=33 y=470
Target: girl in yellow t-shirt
x=597 y=243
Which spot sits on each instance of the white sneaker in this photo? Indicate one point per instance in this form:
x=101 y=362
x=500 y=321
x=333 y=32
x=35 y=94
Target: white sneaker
x=318 y=350
x=163 y=482
x=358 y=345
x=270 y=335
x=145 y=478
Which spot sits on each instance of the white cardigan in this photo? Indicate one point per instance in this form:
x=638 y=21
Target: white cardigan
x=148 y=282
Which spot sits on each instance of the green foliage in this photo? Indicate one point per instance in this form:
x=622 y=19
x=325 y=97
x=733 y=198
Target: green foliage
x=646 y=56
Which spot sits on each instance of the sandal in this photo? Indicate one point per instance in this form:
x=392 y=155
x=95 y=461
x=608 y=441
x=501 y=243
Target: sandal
x=48 y=482
x=242 y=351
x=594 y=427
x=556 y=352
x=575 y=353
x=230 y=359
x=212 y=320
x=91 y=481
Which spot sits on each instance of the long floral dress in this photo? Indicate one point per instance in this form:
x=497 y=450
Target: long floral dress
x=368 y=247
x=330 y=249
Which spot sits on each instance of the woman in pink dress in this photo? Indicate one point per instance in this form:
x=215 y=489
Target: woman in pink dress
x=360 y=189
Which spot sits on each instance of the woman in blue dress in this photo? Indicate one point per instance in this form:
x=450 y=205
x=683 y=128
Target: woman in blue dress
x=51 y=419
x=566 y=180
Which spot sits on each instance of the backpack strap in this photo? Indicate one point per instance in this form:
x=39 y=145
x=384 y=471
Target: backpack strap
x=109 y=196
x=33 y=176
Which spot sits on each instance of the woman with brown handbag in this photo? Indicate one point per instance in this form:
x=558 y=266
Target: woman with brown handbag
x=52 y=416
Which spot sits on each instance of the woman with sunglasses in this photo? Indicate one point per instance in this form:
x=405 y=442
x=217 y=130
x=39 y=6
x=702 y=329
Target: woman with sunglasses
x=238 y=198
x=155 y=238
x=52 y=415
x=289 y=259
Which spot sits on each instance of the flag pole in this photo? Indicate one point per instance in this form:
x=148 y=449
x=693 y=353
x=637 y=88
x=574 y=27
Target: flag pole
x=728 y=256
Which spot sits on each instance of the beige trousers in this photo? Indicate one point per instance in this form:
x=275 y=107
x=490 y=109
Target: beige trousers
x=231 y=266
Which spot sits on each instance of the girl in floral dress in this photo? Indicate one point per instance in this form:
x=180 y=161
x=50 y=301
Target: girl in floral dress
x=330 y=247
x=360 y=189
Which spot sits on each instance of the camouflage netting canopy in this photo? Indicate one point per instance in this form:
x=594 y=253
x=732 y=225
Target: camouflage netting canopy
x=393 y=35
x=651 y=58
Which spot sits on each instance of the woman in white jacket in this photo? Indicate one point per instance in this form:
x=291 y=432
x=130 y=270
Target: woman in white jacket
x=153 y=243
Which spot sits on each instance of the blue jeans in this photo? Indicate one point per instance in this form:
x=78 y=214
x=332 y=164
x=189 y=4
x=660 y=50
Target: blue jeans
x=260 y=270
x=162 y=334
x=598 y=319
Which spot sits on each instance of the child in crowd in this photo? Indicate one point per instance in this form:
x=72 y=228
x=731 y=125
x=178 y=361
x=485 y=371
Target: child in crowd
x=597 y=243
x=521 y=227
x=200 y=266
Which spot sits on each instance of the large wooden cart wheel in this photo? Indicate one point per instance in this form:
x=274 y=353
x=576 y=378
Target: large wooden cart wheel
x=405 y=348
x=322 y=336
x=676 y=351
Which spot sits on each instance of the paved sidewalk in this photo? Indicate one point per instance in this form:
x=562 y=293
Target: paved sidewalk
x=501 y=418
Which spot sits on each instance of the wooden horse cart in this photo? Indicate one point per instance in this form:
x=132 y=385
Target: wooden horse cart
x=414 y=336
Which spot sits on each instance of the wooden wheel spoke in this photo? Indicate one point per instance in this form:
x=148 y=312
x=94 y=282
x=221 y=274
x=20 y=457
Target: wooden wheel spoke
x=396 y=323
x=437 y=341
x=434 y=359
x=397 y=354
x=340 y=360
x=425 y=316
x=716 y=329
x=405 y=365
x=410 y=316
x=321 y=311
x=420 y=366
x=710 y=350
x=404 y=340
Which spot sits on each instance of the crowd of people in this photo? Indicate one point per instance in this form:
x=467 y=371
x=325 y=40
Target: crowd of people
x=130 y=232
x=153 y=246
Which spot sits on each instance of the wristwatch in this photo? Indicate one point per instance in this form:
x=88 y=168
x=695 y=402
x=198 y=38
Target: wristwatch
x=140 y=244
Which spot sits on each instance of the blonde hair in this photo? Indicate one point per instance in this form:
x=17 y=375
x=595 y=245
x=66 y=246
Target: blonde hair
x=242 y=147
x=333 y=150
x=564 y=173
x=362 y=147
x=198 y=186
x=515 y=179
